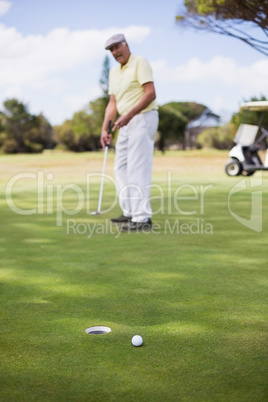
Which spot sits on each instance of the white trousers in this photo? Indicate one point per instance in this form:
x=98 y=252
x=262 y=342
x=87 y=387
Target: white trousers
x=133 y=165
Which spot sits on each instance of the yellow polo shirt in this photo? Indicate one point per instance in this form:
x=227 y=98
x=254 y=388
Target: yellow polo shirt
x=125 y=83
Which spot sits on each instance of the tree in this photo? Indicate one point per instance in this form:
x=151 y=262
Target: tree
x=222 y=137
x=22 y=131
x=82 y=132
x=190 y=110
x=171 y=125
x=217 y=137
x=39 y=136
x=97 y=107
x=77 y=134
x=235 y=18
x=104 y=79
x=97 y=110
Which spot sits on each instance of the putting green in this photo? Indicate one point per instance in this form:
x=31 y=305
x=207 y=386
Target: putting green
x=195 y=288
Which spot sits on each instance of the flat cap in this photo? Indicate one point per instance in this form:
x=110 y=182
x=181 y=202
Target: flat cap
x=113 y=40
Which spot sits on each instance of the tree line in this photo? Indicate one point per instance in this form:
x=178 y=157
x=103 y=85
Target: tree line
x=21 y=131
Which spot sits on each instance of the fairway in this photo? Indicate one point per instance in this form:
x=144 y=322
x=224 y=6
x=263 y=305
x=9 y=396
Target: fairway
x=195 y=288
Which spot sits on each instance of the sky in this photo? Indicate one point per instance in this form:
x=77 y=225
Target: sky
x=52 y=53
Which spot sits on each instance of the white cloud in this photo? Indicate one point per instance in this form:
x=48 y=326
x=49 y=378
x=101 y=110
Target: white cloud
x=4 y=7
x=57 y=73
x=222 y=70
x=29 y=60
x=220 y=83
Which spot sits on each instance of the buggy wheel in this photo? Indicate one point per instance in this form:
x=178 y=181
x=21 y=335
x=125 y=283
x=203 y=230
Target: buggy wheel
x=233 y=167
x=247 y=173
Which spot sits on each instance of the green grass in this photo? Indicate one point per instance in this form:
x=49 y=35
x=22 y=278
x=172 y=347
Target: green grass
x=198 y=299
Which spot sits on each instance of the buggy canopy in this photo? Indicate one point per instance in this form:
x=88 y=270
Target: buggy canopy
x=258 y=106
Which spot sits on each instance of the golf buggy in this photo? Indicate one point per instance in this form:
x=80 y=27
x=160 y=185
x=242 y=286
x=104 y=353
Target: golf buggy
x=249 y=139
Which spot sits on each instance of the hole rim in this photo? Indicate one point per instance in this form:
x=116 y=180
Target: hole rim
x=98 y=330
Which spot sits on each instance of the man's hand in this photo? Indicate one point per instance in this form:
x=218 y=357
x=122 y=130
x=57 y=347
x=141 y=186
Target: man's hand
x=147 y=98
x=122 y=121
x=110 y=115
x=105 y=138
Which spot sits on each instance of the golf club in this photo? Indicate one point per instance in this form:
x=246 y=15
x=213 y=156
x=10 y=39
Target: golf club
x=103 y=172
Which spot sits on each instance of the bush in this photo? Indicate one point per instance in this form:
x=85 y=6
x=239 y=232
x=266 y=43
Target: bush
x=3 y=138
x=73 y=141
x=23 y=132
x=33 y=147
x=10 y=146
x=217 y=137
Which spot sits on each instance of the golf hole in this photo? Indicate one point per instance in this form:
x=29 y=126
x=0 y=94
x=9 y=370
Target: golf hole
x=98 y=330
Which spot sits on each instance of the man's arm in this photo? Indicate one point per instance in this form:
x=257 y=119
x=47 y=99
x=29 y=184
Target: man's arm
x=110 y=114
x=147 y=98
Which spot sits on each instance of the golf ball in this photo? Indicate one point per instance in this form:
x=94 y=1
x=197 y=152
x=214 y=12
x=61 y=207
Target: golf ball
x=137 y=340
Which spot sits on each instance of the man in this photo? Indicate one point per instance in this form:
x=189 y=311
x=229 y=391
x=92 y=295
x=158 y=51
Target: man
x=132 y=95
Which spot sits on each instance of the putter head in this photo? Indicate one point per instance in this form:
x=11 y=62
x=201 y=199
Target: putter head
x=95 y=213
